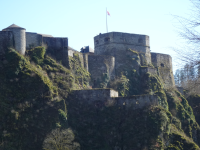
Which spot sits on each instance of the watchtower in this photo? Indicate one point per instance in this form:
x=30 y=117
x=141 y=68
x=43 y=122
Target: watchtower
x=116 y=44
x=19 y=37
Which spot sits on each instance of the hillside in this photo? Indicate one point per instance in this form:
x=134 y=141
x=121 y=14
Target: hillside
x=39 y=110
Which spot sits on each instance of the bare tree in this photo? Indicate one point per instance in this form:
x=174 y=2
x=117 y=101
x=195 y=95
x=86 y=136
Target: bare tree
x=189 y=53
x=60 y=140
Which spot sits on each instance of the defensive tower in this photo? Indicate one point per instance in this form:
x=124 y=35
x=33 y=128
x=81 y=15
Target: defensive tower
x=19 y=37
x=114 y=43
x=163 y=63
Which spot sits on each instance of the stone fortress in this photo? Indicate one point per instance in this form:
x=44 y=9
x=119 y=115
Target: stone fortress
x=109 y=56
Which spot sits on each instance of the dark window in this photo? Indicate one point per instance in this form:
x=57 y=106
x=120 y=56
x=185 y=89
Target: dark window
x=162 y=65
x=97 y=42
x=107 y=39
x=140 y=40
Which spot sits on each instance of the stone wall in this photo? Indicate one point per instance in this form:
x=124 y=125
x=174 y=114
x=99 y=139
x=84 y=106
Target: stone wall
x=71 y=54
x=57 y=48
x=98 y=65
x=93 y=95
x=151 y=70
x=105 y=97
x=136 y=102
x=33 y=40
x=163 y=63
x=115 y=43
x=6 y=40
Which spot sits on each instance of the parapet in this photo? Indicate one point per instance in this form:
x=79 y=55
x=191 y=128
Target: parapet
x=99 y=65
x=6 y=40
x=121 y=38
x=87 y=49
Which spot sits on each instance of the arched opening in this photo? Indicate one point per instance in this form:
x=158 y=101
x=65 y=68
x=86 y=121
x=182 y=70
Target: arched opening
x=162 y=65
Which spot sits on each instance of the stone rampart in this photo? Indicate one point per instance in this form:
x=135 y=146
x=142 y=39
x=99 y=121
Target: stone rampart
x=163 y=63
x=81 y=56
x=98 y=65
x=109 y=97
x=151 y=70
x=57 y=47
x=33 y=40
x=94 y=95
x=6 y=40
x=136 y=102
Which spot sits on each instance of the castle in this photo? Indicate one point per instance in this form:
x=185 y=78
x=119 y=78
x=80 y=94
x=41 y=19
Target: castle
x=108 y=57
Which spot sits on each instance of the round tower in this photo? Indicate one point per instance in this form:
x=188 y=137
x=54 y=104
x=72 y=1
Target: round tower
x=19 y=37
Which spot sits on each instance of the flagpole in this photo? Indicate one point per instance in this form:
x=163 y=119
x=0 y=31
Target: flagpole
x=106 y=21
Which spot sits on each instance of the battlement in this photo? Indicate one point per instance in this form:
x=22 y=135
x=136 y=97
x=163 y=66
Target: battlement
x=121 y=38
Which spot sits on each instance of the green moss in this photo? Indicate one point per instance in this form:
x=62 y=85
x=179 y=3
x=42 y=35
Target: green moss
x=82 y=77
x=31 y=93
x=181 y=142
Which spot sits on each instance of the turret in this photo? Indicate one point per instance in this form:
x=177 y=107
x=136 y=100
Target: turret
x=19 y=37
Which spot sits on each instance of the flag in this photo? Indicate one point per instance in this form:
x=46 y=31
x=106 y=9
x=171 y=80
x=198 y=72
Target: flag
x=108 y=13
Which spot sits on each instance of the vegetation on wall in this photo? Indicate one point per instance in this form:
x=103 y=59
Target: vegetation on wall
x=32 y=93
x=37 y=108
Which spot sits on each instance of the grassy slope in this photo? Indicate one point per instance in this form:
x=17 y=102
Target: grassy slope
x=32 y=94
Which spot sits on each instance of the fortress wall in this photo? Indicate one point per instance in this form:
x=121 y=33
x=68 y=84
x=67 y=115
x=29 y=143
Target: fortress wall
x=98 y=65
x=123 y=57
x=159 y=59
x=164 y=64
x=55 y=43
x=57 y=47
x=90 y=96
x=81 y=55
x=136 y=102
x=33 y=40
x=109 y=97
x=151 y=70
x=6 y=40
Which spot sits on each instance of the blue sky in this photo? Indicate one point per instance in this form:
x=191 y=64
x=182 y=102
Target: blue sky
x=81 y=20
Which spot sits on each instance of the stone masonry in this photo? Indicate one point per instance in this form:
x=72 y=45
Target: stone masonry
x=113 y=53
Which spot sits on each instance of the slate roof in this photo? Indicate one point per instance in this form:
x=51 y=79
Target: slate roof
x=14 y=26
